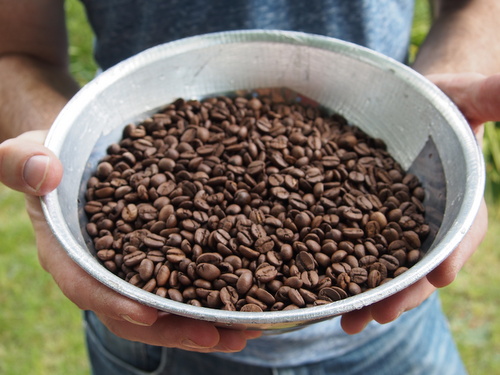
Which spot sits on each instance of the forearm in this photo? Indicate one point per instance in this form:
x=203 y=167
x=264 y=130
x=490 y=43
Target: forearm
x=32 y=93
x=463 y=38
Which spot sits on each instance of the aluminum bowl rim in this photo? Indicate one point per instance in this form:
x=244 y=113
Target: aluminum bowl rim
x=467 y=212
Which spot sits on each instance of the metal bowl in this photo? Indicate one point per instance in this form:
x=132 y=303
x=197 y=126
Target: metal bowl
x=422 y=128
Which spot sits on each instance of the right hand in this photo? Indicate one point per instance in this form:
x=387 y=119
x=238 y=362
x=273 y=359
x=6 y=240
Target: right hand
x=29 y=167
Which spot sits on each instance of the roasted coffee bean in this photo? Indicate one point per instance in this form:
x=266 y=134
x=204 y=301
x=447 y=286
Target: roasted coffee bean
x=175 y=255
x=146 y=269
x=105 y=242
x=130 y=212
x=106 y=254
x=374 y=279
x=266 y=273
x=134 y=258
x=247 y=204
x=331 y=294
x=265 y=296
x=163 y=275
x=250 y=307
x=354 y=289
x=358 y=275
x=305 y=261
x=244 y=283
x=296 y=298
x=389 y=261
x=208 y=271
x=264 y=244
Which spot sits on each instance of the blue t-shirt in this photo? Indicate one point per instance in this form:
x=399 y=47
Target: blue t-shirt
x=126 y=27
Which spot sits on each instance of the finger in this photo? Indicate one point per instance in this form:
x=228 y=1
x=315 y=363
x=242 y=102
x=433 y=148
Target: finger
x=447 y=271
x=81 y=288
x=476 y=95
x=389 y=309
x=180 y=332
x=392 y=307
x=27 y=166
x=355 y=321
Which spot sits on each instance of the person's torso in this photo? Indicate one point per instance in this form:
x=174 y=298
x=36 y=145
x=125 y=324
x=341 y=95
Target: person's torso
x=125 y=27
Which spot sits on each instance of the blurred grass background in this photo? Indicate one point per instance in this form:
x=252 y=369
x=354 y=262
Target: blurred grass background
x=41 y=331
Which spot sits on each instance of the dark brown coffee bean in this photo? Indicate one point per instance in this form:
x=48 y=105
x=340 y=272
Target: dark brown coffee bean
x=266 y=273
x=254 y=301
x=296 y=298
x=130 y=212
x=93 y=207
x=245 y=238
x=353 y=233
x=105 y=242
x=106 y=254
x=374 y=279
x=353 y=214
x=244 y=283
x=163 y=275
x=280 y=193
x=208 y=271
x=264 y=244
x=358 y=275
x=251 y=307
x=228 y=295
x=305 y=261
x=331 y=294
x=175 y=255
x=413 y=257
x=400 y=270
x=389 y=261
x=412 y=239
x=354 y=289
x=294 y=282
x=134 y=258
x=367 y=260
x=380 y=268
x=154 y=241
x=175 y=295
x=146 y=269
x=264 y=296
x=379 y=218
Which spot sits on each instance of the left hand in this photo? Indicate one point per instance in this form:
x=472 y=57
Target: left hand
x=477 y=96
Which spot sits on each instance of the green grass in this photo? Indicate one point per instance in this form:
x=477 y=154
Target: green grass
x=471 y=304
x=41 y=331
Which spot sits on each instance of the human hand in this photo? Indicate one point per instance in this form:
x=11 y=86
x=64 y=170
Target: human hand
x=477 y=97
x=27 y=166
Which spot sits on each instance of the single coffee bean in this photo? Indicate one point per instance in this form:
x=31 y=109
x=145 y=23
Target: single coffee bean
x=305 y=261
x=244 y=283
x=208 y=271
x=266 y=273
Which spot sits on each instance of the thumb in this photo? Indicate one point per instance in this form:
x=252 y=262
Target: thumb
x=476 y=95
x=28 y=166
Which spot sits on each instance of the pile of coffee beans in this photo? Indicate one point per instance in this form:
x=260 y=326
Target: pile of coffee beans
x=248 y=203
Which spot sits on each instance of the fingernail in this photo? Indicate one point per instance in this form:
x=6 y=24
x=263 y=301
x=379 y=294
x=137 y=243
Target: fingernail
x=192 y=345
x=35 y=170
x=130 y=320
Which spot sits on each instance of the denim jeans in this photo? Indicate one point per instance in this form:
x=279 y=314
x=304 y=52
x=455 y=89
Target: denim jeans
x=424 y=347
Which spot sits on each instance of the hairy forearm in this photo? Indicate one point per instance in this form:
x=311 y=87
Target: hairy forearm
x=32 y=93
x=463 y=38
